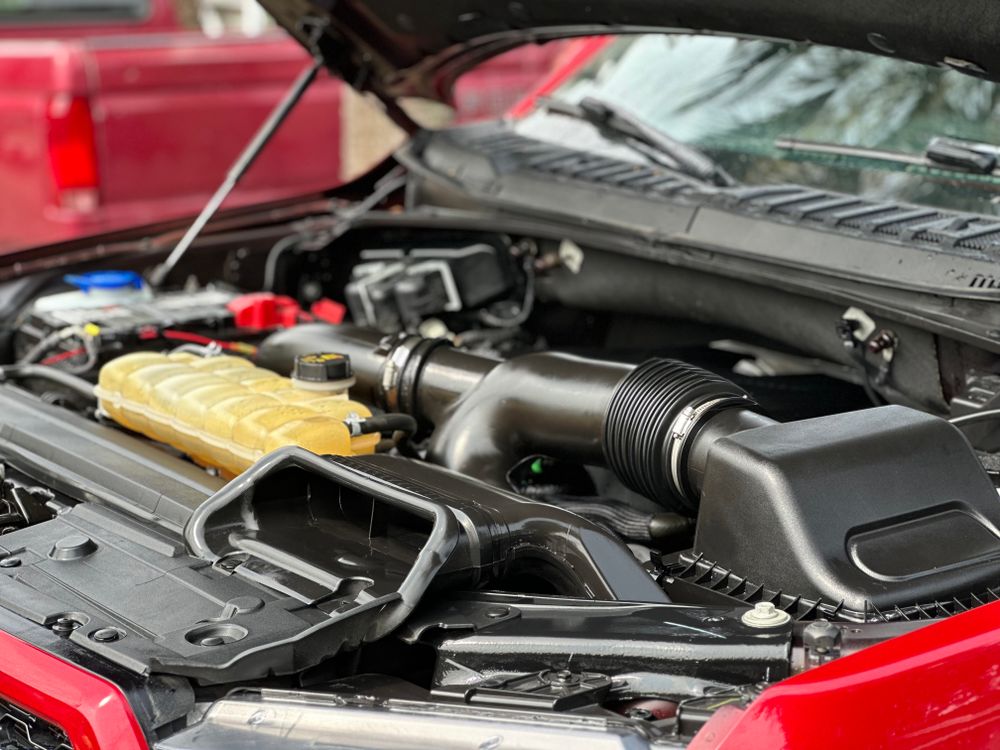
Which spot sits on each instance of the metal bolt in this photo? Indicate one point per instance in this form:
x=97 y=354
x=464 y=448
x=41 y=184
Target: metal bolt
x=10 y=562
x=106 y=635
x=563 y=675
x=765 y=615
x=494 y=613
x=821 y=636
x=881 y=341
x=212 y=640
x=64 y=625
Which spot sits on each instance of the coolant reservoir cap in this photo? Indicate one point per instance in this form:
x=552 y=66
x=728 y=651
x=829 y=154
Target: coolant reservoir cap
x=105 y=280
x=322 y=367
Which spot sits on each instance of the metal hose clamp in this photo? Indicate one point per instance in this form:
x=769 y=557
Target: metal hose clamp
x=392 y=369
x=400 y=370
x=683 y=427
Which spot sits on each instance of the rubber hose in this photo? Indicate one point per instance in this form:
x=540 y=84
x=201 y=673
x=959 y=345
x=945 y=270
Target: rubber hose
x=389 y=423
x=43 y=372
x=644 y=423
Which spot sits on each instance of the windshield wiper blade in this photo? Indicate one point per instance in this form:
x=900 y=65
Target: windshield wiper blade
x=963 y=156
x=616 y=123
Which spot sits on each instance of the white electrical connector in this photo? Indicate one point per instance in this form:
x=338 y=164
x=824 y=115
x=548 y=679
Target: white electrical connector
x=865 y=326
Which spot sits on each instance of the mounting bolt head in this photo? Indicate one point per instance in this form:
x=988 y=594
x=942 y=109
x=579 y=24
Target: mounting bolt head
x=765 y=615
x=821 y=637
x=882 y=340
x=561 y=677
x=65 y=625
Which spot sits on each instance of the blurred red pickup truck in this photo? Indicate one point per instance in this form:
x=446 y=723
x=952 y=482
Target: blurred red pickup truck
x=112 y=115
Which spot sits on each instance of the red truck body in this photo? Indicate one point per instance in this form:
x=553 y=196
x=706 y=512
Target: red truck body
x=107 y=132
x=105 y=126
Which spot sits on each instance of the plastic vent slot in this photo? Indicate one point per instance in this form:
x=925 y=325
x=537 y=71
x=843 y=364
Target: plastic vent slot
x=579 y=165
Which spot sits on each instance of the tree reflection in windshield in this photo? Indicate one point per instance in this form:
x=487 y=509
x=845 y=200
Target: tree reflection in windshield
x=735 y=97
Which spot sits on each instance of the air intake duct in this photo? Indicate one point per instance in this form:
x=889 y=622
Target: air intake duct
x=861 y=512
x=650 y=424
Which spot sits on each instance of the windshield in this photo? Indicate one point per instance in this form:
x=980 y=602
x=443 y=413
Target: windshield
x=735 y=98
x=64 y=11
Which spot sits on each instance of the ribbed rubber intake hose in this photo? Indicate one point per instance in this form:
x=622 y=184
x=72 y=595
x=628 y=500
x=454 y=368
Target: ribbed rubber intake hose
x=653 y=420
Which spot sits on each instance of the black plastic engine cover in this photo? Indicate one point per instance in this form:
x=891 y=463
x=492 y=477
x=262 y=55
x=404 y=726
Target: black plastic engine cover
x=297 y=558
x=867 y=510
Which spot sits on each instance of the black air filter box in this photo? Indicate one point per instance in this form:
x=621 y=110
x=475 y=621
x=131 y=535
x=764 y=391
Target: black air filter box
x=872 y=509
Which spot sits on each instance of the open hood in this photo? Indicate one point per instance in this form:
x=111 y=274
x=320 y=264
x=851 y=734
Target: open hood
x=398 y=48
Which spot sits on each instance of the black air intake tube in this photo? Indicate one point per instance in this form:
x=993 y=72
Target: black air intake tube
x=872 y=511
x=646 y=423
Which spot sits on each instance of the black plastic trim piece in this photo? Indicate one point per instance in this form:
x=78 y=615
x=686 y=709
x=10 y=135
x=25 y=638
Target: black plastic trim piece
x=962 y=265
x=440 y=543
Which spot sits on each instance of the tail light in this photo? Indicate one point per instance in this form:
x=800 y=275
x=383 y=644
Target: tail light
x=59 y=700
x=73 y=153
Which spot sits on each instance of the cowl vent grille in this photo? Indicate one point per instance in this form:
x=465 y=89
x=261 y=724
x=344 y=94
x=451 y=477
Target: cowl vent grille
x=913 y=225
x=549 y=158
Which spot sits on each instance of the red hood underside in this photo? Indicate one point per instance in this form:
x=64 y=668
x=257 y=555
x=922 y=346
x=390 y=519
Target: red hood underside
x=938 y=687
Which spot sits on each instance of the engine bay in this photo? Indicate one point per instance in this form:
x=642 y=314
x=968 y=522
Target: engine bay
x=462 y=467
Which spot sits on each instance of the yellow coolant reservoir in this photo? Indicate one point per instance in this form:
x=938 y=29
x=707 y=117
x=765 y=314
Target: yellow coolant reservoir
x=225 y=412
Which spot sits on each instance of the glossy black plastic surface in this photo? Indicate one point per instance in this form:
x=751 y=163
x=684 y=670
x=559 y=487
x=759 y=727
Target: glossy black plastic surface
x=96 y=463
x=547 y=403
x=486 y=414
x=505 y=539
x=866 y=510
